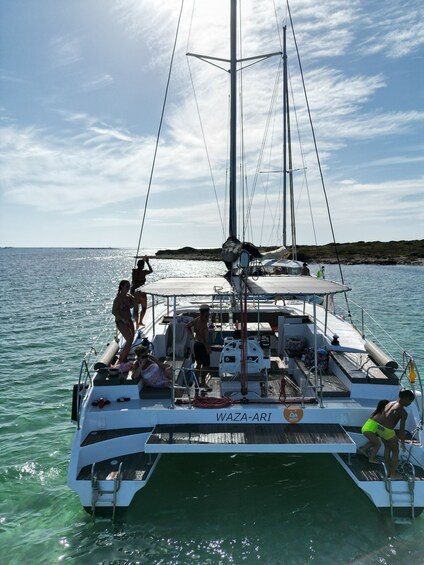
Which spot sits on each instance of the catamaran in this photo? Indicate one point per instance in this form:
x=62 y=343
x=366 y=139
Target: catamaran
x=288 y=373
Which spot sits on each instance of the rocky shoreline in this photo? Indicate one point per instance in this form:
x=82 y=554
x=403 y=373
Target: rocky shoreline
x=359 y=253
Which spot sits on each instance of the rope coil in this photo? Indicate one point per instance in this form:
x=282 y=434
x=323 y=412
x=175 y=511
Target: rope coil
x=211 y=402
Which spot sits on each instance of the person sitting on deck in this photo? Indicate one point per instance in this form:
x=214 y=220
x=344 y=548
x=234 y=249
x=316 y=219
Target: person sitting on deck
x=139 y=279
x=121 y=309
x=335 y=340
x=382 y=423
x=305 y=272
x=201 y=346
x=153 y=372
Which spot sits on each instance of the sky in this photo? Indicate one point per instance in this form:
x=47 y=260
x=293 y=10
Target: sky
x=82 y=84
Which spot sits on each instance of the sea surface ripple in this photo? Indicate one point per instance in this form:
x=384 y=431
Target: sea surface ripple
x=208 y=509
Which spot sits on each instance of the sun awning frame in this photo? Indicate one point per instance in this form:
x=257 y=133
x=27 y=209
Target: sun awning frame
x=283 y=285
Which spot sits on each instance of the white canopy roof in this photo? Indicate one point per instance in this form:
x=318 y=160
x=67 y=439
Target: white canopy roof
x=220 y=286
x=190 y=286
x=293 y=286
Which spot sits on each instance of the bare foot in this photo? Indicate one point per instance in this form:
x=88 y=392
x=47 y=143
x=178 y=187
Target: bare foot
x=396 y=477
x=373 y=461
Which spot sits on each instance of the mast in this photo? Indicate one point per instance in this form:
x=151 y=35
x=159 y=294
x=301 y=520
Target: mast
x=233 y=120
x=284 y=139
x=232 y=246
x=287 y=153
x=290 y=171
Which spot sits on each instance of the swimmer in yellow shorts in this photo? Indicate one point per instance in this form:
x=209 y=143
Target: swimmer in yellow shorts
x=376 y=428
x=381 y=424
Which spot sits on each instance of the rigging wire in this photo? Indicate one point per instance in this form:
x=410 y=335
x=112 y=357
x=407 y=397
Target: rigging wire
x=159 y=132
x=190 y=26
x=206 y=148
x=274 y=211
x=317 y=155
x=264 y=138
x=275 y=214
x=201 y=123
x=304 y=167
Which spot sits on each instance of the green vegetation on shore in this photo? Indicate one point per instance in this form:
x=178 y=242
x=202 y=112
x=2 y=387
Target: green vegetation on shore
x=360 y=252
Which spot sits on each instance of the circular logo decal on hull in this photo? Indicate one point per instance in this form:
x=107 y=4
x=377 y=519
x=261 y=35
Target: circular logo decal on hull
x=293 y=414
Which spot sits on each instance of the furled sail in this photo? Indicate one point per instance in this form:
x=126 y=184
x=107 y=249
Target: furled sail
x=278 y=253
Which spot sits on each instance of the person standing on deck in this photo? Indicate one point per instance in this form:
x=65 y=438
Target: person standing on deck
x=321 y=273
x=369 y=430
x=121 y=309
x=140 y=298
x=382 y=423
x=201 y=345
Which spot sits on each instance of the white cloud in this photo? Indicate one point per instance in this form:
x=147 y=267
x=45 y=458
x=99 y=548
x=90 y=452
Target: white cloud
x=99 y=81
x=395 y=160
x=53 y=174
x=87 y=164
x=396 y=29
x=390 y=201
x=65 y=50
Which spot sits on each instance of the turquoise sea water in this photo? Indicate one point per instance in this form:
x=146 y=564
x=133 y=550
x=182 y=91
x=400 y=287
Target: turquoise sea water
x=282 y=509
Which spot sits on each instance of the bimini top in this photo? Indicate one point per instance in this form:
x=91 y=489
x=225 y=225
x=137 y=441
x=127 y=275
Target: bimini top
x=189 y=286
x=272 y=285
x=293 y=286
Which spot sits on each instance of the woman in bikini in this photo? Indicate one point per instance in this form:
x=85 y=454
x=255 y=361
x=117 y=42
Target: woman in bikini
x=153 y=372
x=139 y=279
x=121 y=309
x=369 y=430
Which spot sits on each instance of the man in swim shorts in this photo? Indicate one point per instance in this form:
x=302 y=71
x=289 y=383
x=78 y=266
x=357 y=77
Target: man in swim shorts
x=201 y=347
x=375 y=428
x=382 y=423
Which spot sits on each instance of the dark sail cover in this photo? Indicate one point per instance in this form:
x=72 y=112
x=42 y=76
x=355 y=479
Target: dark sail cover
x=232 y=248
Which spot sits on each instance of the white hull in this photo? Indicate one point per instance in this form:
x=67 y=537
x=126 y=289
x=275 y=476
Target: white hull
x=143 y=428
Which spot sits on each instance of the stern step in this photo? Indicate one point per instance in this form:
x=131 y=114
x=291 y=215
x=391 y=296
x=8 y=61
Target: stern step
x=135 y=467
x=249 y=438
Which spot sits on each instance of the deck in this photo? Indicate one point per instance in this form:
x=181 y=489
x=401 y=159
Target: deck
x=250 y=438
x=366 y=471
x=135 y=467
x=104 y=435
x=331 y=384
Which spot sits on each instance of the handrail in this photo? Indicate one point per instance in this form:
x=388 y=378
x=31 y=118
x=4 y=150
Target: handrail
x=408 y=361
x=84 y=376
x=317 y=388
x=382 y=367
x=316 y=373
x=116 y=486
x=186 y=386
x=364 y=329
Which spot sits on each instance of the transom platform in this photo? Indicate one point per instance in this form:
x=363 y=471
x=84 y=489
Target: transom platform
x=250 y=438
